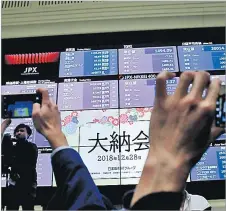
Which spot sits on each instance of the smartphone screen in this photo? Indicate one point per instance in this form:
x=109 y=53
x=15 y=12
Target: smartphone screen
x=221 y=108
x=19 y=106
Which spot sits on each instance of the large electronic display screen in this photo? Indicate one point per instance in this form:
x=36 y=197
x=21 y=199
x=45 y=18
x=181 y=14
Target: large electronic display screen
x=88 y=95
x=148 y=60
x=141 y=92
x=30 y=67
x=105 y=98
x=29 y=89
x=202 y=57
x=89 y=63
x=212 y=165
x=111 y=147
x=44 y=168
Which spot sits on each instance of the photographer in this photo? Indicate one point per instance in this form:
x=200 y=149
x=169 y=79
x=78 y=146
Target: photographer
x=21 y=158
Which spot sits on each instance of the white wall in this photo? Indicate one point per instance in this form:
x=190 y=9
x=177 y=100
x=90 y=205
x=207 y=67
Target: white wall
x=34 y=19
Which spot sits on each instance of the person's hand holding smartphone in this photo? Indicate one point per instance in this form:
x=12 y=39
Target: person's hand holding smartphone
x=47 y=120
x=19 y=106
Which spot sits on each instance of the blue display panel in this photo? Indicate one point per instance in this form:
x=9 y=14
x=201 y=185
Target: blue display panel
x=202 y=57
x=133 y=93
x=148 y=60
x=88 y=63
x=222 y=137
x=88 y=95
x=212 y=165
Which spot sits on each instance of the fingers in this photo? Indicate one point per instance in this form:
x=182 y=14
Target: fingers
x=6 y=122
x=36 y=109
x=213 y=91
x=201 y=80
x=53 y=105
x=161 y=84
x=186 y=79
x=45 y=95
x=52 y=102
x=207 y=106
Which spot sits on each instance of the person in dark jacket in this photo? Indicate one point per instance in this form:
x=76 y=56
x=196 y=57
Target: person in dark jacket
x=76 y=189
x=21 y=159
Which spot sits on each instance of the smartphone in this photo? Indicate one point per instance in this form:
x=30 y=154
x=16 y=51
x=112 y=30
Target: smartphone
x=221 y=108
x=19 y=106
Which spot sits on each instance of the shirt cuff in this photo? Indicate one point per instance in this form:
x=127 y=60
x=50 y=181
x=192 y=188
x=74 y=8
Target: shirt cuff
x=159 y=201
x=59 y=149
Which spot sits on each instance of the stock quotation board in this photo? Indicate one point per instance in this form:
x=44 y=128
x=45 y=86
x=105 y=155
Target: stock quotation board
x=106 y=98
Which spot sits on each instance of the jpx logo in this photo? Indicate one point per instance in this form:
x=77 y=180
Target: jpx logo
x=30 y=71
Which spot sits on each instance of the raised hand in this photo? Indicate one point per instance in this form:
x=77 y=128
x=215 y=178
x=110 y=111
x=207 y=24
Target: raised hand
x=47 y=121
x=181 y=130
x=4 y=125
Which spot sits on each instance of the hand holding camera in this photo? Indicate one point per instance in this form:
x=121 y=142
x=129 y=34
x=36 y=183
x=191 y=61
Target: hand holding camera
x=47 y=120
x=19 y=106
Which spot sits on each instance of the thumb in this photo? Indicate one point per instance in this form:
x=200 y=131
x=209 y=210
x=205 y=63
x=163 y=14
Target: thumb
x=36 y=110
